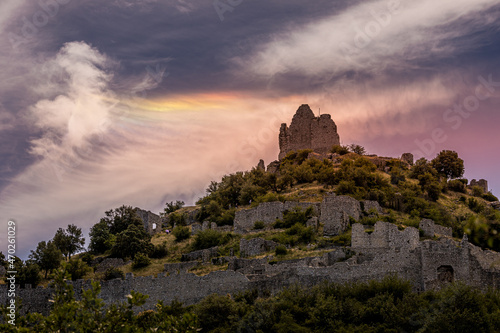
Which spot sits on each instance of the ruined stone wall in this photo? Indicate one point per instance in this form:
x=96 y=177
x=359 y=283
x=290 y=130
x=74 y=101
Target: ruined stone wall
x=384 y=236
x=481 y=183
x=308 y=132
x=428 y=265
x=335 y=212
x=152 y=222
x=431 y=229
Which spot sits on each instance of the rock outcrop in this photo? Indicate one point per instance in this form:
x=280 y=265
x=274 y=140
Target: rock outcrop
x=308 y=132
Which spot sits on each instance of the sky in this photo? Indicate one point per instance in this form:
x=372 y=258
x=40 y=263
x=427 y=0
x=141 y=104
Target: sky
x=142 y=102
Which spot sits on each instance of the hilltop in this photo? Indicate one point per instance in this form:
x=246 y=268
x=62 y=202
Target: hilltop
x=313 y=215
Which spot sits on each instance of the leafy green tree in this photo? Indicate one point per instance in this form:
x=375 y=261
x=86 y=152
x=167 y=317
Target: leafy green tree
x=448 y=164
x=421 y=167
x=47 y=256
x=101 y=238
x=69 y=241
x=132 y=241
x=121 y=218
x=28 y=272
x=173 y=206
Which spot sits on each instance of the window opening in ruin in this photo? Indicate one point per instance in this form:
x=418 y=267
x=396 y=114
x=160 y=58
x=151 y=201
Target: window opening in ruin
x=445 y=274
x=154 y=226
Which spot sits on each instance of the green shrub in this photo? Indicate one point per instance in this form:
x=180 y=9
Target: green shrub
x=341 y=150
x=475 y=205
x=490 y=197
x=280 y=250
x=141 y=260
x=77 y=268
x=113 y=273
x=296 y=215
x=181 y=233
x=209 y=238
x=456 y=185
x=259 y=225
x=477 y=191
x=177 y=219
x=159 y=251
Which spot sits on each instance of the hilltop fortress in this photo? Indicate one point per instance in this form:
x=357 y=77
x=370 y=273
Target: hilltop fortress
x=429 y=256
x=308 y=132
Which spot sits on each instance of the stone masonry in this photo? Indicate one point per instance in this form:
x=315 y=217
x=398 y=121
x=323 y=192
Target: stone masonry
x=256 y=246
x=482 y=183
x=308 y=132
x=334 y=212
x=430 y=229
x=152 y=222
x=428 y=264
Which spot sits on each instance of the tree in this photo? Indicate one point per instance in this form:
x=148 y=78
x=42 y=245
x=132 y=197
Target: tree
x=448 y=164
x=69 y=241
x=101 y=238
x=173 y=206
x=421 y=167
x=120 y=218
x=132 y=241
x=3 y=262
x=357 y=149
x=47 y=256
x=28 y=272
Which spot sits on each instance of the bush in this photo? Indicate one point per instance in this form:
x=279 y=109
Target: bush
x=159 y=251
x=341 y=150
x=113 y=273
x=77 y=269
x=475 y=205
x=456 y=186
x=181 y=233
x=296 y=215
x=141 y=260
x=477 y=191
x=280 y=250
x=259 y=225
x=177 y=219
x=209 y=238
x=490 y=197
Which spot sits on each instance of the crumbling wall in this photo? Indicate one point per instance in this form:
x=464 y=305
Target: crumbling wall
x=431 y=229
x=384 y=236
x=256 y=246
x=335 y=212
x=152 y=222
x=482 y=183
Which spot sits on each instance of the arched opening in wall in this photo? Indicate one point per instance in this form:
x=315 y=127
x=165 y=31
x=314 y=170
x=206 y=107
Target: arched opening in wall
x=445 y=274
x=154 y=226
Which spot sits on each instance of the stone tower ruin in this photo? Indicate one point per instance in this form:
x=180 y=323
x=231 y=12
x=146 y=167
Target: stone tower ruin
x=308 y=132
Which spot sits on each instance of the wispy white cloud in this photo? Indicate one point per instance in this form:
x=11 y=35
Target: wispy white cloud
x=372 y=36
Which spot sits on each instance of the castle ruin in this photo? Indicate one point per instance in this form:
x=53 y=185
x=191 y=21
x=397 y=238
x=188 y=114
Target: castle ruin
x=308 y=132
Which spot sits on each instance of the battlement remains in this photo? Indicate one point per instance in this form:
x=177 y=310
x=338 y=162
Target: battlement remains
x=384 y=236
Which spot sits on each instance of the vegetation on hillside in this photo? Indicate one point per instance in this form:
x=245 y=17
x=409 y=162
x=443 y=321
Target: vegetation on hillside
x=385 y=306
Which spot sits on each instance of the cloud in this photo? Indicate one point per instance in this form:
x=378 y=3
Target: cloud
x=373 y=37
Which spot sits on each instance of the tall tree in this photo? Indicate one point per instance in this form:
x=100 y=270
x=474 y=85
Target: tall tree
x=47 y=256
x=448 y=164
x=69 y=241
x=101 y=238
x=120 y=218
